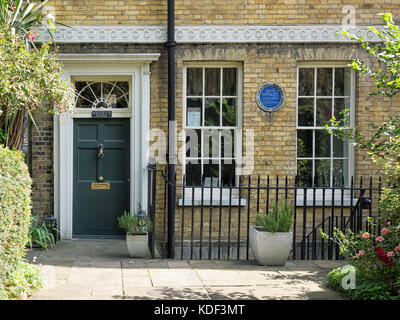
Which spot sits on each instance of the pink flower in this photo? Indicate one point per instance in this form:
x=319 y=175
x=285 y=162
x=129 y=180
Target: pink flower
x=385 y=230
x=365 y=235
x=390 y=254
x=31 y=35
x=380 y=238
x=388 y=223
x=358 y=255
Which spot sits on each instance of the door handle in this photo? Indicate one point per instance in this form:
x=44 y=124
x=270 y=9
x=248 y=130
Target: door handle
x=100 y=153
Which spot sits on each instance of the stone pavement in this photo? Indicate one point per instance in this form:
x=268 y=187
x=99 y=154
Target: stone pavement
x=102 y=269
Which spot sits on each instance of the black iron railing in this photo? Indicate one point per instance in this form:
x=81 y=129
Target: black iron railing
x=213 y=221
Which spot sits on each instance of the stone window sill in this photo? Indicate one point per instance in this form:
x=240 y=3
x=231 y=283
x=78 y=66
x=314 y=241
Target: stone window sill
x=215 y=202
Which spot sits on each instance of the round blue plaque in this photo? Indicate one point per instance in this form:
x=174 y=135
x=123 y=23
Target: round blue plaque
x=270 y=97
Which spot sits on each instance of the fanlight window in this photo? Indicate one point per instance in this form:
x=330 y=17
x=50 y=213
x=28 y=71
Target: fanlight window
x=102 y=94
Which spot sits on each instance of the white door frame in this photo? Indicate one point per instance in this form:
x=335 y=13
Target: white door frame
x=136 y=66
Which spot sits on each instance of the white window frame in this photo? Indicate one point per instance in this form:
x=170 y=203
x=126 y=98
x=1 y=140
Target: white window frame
x=237 y=131
x=351 y=157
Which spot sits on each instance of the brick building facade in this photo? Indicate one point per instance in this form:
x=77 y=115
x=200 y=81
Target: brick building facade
x=224 y=54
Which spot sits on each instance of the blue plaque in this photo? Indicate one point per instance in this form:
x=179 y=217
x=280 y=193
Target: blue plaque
x=270 y=97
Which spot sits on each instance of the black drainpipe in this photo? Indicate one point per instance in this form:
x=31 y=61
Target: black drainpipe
x=171 y=44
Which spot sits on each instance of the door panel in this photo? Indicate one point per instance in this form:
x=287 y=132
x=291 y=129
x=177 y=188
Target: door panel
x=96 y=211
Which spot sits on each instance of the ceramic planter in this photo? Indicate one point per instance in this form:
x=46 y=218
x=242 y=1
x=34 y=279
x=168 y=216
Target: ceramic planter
x=270 y=248
x=137 y=245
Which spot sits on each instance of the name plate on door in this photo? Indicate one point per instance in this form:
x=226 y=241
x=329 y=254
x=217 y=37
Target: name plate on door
x=101 y=114
x=100 y=186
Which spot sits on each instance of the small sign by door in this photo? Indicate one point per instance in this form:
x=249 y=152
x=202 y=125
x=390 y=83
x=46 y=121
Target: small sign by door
x=100 y=186
x=101 y=114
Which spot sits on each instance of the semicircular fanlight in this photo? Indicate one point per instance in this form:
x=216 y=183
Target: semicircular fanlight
x=102 y=94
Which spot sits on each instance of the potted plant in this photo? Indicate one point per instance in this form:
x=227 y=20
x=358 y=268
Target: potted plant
x=137 y=227
x=270 y=238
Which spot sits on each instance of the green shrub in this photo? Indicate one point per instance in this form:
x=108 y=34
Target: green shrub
x=366 y=288
x=135 y=224
x=39 y=234
x=19 y=283
x=279 y=220
x=15 y=215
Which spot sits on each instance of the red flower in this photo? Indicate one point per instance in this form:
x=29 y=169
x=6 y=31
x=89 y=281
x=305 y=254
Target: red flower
x=383 y=257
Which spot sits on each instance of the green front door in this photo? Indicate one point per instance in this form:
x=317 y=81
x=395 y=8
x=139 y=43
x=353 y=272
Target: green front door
x=101 y=176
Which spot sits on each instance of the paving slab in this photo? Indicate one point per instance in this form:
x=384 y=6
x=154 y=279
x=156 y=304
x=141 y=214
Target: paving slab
x=269 y=293
x=218 y=277
x=106 y=291
x=167 y=293
x=178 y=264
x=102 y=270
x=326 y=264
x=135 y=272
x=174 y=278
x=134 y=282
x=134 y=263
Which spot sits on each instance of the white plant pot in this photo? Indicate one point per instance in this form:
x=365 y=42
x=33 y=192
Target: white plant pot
x=137 y=245
x=270 y=248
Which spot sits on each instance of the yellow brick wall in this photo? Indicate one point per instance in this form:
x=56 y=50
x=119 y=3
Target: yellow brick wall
x=275 y=141
x=253 y=12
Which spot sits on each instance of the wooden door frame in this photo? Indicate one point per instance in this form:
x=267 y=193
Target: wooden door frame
x=135 y=66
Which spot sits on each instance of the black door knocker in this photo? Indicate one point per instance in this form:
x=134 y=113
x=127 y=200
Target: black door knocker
x=100 y=151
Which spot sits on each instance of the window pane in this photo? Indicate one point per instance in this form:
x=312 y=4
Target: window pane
x=193 y=143
x=324 y=111
x=212 y=112
x=228 y=177
x=119 y=96
x=193 y=112
x=340 y=170
x=213 y=82
x=85 y=98
x=341 y=104
x=342 y=82
x=340 y=148
x=229 y=112
x=211 y=173
x=322 y=143
x=211 y=143
x=194 y=82
x=227 y=143
x=304 y=172
x=324 y=81
x=193 y=174
x=322 y=172
x=306 y=112
x=304 y=143
x=229 y=82
x=83 y=103
x=306 y=81
x=102 y=94
x=95 y=89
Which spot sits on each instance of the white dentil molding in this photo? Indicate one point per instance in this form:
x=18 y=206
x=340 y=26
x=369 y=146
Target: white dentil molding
x=209 y=34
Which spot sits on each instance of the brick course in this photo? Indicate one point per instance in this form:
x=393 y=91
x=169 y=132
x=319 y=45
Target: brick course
x=248 y=12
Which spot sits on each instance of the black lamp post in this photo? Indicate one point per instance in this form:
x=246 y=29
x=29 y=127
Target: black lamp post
x=51 y=224
x=365 y=203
